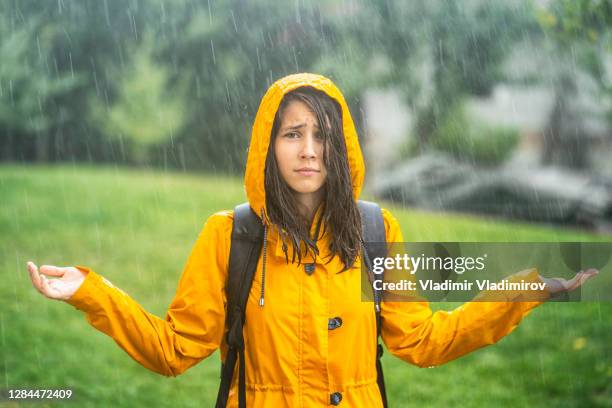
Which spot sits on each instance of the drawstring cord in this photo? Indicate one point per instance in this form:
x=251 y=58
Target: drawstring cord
x=263 y=269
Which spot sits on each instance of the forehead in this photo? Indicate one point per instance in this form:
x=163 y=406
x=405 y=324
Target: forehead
x=299 y=113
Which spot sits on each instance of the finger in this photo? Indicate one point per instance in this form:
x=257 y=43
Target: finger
x=582 y=276
x=52 y=270
x=579 y=279
x=585 y=277
x=570 y=284
x=34 y=276
x=591 y=272
x=44 y=284
x=31 y=266
x=578 y=282
x=47 y=289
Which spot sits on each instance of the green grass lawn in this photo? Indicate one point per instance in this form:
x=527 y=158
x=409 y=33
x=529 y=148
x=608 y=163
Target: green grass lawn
x=137 y=227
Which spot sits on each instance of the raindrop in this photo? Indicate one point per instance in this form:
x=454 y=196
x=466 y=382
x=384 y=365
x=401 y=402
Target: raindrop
x=71 y=66
x=40 y=57
x=106 y=13
x=298 y=16
x=209 y=13
x=234 y=21
x=163 y=12
x=133 y=21
x=11 y=92
x=297 y=67
x=198 y=87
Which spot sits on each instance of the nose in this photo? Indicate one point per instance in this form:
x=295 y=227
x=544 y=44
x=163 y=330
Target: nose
x=308 y=147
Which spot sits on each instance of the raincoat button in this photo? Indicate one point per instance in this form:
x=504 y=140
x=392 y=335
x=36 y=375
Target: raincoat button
x=335 y=398
x=309 y=268
x=334 y=323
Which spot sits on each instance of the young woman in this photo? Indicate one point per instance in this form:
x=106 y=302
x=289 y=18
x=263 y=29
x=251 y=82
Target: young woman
x=303 y=176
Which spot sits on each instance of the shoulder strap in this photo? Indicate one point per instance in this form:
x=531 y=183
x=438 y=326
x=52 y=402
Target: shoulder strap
x=247 y=240
x=374 y=246
x=374 y=240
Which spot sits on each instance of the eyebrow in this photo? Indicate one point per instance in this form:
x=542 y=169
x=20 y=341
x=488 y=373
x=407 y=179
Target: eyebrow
x=299 y=125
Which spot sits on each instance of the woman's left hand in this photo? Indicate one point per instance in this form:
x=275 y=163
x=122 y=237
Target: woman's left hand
x=556 y=285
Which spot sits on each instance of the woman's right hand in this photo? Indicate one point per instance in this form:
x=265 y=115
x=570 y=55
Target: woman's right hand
x=67 y=280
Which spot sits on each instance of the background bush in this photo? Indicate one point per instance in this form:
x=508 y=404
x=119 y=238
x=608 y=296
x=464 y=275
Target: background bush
x=473 y=140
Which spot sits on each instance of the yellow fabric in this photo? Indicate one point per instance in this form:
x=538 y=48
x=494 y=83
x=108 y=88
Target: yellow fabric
x=292 y=359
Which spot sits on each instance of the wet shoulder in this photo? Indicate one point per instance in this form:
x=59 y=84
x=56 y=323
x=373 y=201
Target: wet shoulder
x=392 y=226
x=214 y=240
x=221 y=222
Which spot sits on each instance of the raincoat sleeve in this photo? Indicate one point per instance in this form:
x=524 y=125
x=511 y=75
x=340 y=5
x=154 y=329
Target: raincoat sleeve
x=194 y=324
x=412 y=332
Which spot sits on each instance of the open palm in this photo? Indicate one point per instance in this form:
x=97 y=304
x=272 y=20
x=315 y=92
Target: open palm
x=65 y=283
x=556 y=285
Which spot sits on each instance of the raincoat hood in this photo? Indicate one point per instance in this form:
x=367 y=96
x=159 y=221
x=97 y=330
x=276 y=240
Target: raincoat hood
x=262 y=132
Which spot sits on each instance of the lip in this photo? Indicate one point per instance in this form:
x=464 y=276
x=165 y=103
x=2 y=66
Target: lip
x=307 y=171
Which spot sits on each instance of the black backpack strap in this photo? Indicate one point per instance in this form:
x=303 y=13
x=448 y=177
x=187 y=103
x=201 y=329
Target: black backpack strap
x=374 y=239
x=247 y=240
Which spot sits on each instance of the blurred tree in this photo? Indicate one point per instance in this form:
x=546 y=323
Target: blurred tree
x=472 y=140
x=145 y=112
x=578 y=34
x=28 y=82
x=229 y=52
x=76 y=43
x=435 y=52
x=217 y=59
x=467 y=42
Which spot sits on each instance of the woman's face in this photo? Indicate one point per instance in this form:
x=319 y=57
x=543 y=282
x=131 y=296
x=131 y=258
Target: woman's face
x=299 y=150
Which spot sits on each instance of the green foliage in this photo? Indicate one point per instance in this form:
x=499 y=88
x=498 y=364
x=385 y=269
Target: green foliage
x=69 y=48
x=571 y=20
x=470 y=40
x=145 y=112
x=229 y=53
x=578 y=37
x=27 y=83
x=580 y=32
x=474 y=141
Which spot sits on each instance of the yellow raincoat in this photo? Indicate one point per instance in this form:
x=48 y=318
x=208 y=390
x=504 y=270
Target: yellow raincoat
x=292 y=358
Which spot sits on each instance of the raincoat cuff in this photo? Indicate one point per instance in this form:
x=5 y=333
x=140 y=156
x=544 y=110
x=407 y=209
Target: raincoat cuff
x=85 y=296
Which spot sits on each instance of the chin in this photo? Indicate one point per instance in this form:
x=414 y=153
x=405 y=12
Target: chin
x=306 y=187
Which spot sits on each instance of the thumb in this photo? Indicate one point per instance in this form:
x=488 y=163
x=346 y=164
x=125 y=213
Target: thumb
x=52 y=270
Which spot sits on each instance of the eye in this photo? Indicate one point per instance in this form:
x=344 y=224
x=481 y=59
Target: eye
x=319 y=135
x=292 y=135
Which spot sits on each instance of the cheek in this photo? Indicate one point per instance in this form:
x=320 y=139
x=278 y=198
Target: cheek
x=323 y=173
x=321 y=160
x=282 y=151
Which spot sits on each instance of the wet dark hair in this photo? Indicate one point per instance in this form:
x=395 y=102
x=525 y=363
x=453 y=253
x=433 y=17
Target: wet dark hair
x=340 y=213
